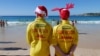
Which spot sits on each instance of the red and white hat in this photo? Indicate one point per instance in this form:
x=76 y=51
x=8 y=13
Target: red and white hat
x=41 y=10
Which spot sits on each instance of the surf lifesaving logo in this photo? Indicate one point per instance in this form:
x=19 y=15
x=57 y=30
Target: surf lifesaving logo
x=65 y=33
x=40 y=31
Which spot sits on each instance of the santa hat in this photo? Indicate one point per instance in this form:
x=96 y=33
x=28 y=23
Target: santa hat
x=41 y=10
x=64 y=12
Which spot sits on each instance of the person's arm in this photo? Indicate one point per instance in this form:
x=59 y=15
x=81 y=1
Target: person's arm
x=50 y=35
x=75 y=42
x=59 y=50
x=72 y=49
x=28 y=34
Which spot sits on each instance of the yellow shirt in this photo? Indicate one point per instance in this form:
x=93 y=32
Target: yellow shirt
x=38 y=36
x=64 y=35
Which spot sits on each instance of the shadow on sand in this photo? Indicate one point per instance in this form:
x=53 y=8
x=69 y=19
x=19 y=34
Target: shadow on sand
x=13 y=48
x=7 y=42
x=83 y=33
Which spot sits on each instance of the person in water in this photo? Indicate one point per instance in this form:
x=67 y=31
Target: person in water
x=39 y=33
x=65 y=35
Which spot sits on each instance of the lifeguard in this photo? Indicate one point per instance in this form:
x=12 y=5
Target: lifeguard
x=65 y=35
x=39 y=33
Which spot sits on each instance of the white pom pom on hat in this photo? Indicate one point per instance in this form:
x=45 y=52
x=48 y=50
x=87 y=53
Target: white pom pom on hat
x=41 y=10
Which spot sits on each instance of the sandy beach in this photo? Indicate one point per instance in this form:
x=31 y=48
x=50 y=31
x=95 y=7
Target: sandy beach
x=13 y=41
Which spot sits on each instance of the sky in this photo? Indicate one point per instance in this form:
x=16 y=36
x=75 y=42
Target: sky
x=27 y=7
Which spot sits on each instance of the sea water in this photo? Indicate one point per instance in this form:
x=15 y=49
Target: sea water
x=17 y=20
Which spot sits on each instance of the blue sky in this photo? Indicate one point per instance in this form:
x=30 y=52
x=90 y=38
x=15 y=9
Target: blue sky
x=27 y=7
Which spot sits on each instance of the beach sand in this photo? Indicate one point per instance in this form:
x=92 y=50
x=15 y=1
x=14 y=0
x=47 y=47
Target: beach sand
x=13 y=41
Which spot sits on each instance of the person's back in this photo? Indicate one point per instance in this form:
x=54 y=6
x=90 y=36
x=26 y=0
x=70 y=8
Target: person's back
x=38 y=36
x=65 y=35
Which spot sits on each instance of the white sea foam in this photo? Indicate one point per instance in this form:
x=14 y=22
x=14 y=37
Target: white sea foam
x=12 y=23
x=88 y=22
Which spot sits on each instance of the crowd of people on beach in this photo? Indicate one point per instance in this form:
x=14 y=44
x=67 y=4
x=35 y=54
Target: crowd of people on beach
x=73 y=22
x=3 y=23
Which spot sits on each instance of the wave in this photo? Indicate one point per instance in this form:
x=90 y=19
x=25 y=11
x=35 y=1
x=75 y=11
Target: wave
x=88 y=22
x=12 y=23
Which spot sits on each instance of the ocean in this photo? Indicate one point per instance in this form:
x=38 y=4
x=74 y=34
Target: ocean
x=22 y=20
